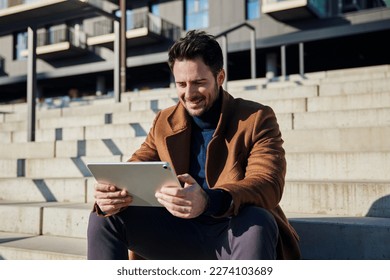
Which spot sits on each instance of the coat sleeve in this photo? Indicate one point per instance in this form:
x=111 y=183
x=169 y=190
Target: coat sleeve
x=263 y=171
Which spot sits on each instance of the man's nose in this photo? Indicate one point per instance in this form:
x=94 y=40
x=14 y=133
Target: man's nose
x=190 y=90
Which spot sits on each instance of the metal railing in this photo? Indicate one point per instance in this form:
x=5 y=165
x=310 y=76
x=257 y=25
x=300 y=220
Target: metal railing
x=2 y=63
x=223 y=35
x=4 y=4
x=75 y=37
x=139 y=20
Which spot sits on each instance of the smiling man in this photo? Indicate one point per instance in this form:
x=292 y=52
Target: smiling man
x=229 y=156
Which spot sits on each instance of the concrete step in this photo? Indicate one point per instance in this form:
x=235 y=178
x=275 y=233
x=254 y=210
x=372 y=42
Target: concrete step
x=48 y=135
x=342 y=119
x=125 y=146
x=28 y=150
x=349 y=102
x=367 y=139
x=40 y=114
x=73 y=190
x=91 y=118
x=63 y=167
x=68 y=220
x=15 y=246
x=108 y=107
x=381 y=85
x=117 y=129
x=321 y=238
x=355 y=199
x=311 y=78
x=315 y=197
x=358 y=73
x=277 y=94
x=66 y=190
x=154 y=104
x=283 y=106
x=291 y=115
x=149 y=94
x=322 y=166
x=342 y=238
x=13 y=126
x=139 y=116
x=38 y=168
x=47 y=218
x=11 y=168
x=73 y=121
x=6 y=137
x=333 y=125
x=73 y=148
x=18 y=112
x=338 y=166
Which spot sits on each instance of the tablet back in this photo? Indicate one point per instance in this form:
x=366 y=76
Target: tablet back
x=141 y=179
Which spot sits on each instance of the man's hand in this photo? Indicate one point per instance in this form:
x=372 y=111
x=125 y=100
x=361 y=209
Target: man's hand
x=110 y=199
x=187 y=202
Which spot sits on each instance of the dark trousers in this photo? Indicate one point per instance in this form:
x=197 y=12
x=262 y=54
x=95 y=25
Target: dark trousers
x=153 y=233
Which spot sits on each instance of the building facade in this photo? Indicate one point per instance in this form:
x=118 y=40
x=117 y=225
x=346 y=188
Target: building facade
x=75 y=42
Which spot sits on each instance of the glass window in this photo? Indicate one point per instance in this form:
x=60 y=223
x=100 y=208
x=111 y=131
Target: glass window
x=196 y=14
x=3 y=4
x=129 y=19
x=20 y=45
x=155 y=9
x=252 y=9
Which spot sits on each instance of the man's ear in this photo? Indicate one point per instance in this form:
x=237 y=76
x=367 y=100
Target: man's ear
x=221 y=77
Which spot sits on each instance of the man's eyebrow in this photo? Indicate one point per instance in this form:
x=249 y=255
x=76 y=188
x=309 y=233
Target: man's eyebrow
x=198 y=80
x=193 y=81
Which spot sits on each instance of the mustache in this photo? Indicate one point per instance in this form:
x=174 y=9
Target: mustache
x=194 y=98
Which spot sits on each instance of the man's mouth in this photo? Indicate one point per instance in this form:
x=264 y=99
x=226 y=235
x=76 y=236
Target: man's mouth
x=194 y=101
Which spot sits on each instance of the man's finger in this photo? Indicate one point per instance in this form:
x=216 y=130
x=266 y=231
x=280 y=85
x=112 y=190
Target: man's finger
x=186 y=178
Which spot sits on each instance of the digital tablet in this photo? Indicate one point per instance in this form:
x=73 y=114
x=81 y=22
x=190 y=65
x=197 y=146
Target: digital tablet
x=141 y=179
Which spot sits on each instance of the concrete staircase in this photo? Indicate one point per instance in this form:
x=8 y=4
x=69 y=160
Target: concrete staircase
x=335 y=124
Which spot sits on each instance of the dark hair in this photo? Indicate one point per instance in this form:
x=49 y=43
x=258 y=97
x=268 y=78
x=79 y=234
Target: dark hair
x=197 y=44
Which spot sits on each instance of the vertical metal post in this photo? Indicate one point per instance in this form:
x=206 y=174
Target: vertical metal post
x=117 y=76
x=301 y=60
x=283 y=60
x=31 y=83
x=123 y=44
x=224 y=53
x=253 y=54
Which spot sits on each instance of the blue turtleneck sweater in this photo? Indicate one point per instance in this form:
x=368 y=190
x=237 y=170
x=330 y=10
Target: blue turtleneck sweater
x=203 y=128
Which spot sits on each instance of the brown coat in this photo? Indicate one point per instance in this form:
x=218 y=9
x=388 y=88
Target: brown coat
x=245 y=158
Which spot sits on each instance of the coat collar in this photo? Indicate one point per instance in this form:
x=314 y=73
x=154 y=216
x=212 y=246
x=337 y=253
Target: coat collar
x=178 y=140
x=180 y=120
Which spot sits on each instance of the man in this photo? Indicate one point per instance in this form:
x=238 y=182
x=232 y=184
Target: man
x=229 y=157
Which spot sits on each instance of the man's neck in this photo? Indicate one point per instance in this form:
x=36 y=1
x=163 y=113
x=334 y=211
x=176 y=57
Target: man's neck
x=210 y=118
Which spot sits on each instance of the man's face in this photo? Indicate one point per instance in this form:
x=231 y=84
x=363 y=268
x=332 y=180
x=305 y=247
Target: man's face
x=196 y=85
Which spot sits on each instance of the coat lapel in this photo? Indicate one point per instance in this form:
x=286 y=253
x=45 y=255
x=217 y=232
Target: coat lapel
x=218 y=150
x=178 y=142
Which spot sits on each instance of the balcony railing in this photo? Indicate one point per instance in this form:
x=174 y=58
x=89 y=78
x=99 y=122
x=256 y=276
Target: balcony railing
x=136 y=20
x=63 y=40
x=61 y=34
x=4 y=4
x=296 y=9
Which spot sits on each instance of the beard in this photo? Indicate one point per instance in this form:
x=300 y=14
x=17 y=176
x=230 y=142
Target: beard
x=198 y=105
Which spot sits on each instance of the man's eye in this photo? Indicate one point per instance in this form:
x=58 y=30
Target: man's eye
x=199 y=83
